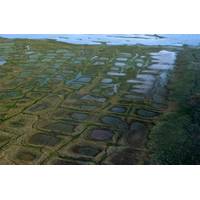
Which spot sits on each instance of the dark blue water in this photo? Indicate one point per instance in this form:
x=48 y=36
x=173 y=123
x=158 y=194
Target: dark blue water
x=116 y=39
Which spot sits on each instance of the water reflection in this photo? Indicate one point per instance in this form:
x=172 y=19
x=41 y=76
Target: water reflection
x=116 y=39
x=2 y=61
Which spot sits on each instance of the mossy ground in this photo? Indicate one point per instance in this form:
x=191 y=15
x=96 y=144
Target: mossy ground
x=176 y=137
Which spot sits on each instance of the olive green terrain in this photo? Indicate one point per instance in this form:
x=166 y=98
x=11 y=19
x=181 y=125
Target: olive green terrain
x=73 y=104
x=176 y=137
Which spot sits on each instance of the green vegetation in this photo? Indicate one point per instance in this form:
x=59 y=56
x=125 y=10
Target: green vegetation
x=176 y=137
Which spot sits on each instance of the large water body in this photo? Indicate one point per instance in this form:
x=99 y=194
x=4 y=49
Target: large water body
x=116 y=39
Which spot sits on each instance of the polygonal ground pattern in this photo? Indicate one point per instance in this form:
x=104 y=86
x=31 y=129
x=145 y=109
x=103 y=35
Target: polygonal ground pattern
x=73 y=104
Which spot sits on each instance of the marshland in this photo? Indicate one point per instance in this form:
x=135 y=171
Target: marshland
x=68 y=99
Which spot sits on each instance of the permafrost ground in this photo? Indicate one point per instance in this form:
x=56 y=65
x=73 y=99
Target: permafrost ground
x=78 y=104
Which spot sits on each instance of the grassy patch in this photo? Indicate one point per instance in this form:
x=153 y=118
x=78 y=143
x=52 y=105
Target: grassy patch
x=176 y=137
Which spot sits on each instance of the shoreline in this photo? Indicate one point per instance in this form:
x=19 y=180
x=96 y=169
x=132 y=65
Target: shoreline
x=85 y=39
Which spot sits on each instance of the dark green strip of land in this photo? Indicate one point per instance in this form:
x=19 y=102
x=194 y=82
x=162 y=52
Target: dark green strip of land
x=176 y=137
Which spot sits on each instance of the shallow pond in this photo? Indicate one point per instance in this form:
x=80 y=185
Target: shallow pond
x=2 y=61
x=118 y=109
x=164 y=60
x=107 y=80
x=116 y=74
x=101 y=134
